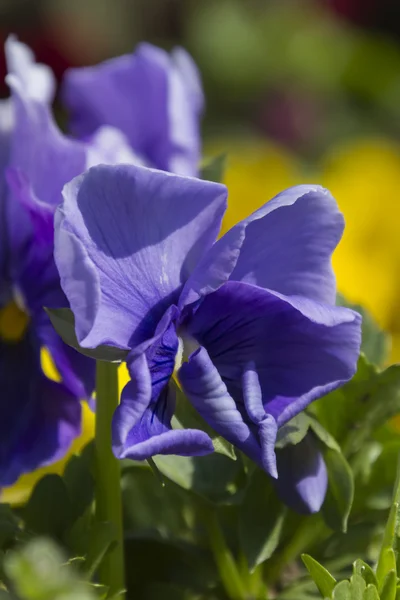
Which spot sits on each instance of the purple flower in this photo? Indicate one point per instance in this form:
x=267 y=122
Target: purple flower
x=248 y=322
x=39 y=85
x=155 y=99
x=39 y=417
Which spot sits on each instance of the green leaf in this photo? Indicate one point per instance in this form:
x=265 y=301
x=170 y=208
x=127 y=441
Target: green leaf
x=293 y=431
x=323 y=435
x=261 y=518
x=187 y=417
x=91 y=541
x=340 y=493
x=373 y=470
x=102 y=592
x=214 y=169
x=63 y=321
x=361 y=568
x=342 y=591
x=142 y=498
x=353 y=413
x=76 y=538
x=342 y=410
x=9 y=525
x=168 y=591
x=155 y=471
x=153 y=561
x=388 y=589
x=387 y=557
x=39 y=571
x=375 y=342
x=211 y=477
x=358 y=586
x=49 y=510
x=380 y=400
x=324 y=581
x=79 y=481
x=386 y=563
x=102 y=537
x=370 y=593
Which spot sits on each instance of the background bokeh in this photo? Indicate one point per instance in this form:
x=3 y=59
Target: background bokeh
x=296 y=91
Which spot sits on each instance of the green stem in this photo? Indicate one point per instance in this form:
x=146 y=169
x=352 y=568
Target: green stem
x=310 y=530
x=108 y=482
x=227 y=568
x=253 y=581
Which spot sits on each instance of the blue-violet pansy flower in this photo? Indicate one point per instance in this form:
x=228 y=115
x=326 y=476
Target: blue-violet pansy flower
x=247 y=322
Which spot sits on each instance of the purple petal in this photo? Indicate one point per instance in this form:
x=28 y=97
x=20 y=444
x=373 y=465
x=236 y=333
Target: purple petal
x=267 y=430
x=135 y=399
x=150 y=372
x=161 y=358
x=252 y=394
x=182 y=151
x=209 y=395
x=153 y=99
x=40 y=418
x=267 y=426
x=127 y=238
x=40 y=159
x=214 y=268
x=6 y=125
x=191 y=76
x=41 y=214
x=35 y=276
x=77 y=371
x=79 y=278
x=42 y=155
x=289 y=243
x=142 y=423
x=302 y=476
x=37 y=79
x=153 y=434
x=39 y=150
x=110 y=146
x=299 y=355
x=22 y=132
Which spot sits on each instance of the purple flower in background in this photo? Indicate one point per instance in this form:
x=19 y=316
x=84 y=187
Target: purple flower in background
x=154 y=98
x=248 y=322
x=39 y=85
x=39 y=417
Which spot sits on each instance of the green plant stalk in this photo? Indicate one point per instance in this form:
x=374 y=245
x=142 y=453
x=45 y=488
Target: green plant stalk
x=310 y=530
x=387 y=557
x=225 y=562
x=253 y=581
x=108 y=481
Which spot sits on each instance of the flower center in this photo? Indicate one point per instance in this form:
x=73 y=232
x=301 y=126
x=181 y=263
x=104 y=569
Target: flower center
x=187 y=345
x=13 y=322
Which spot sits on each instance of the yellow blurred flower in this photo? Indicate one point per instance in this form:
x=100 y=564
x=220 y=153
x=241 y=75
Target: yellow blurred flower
x=364 y=176
x=256 y=172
